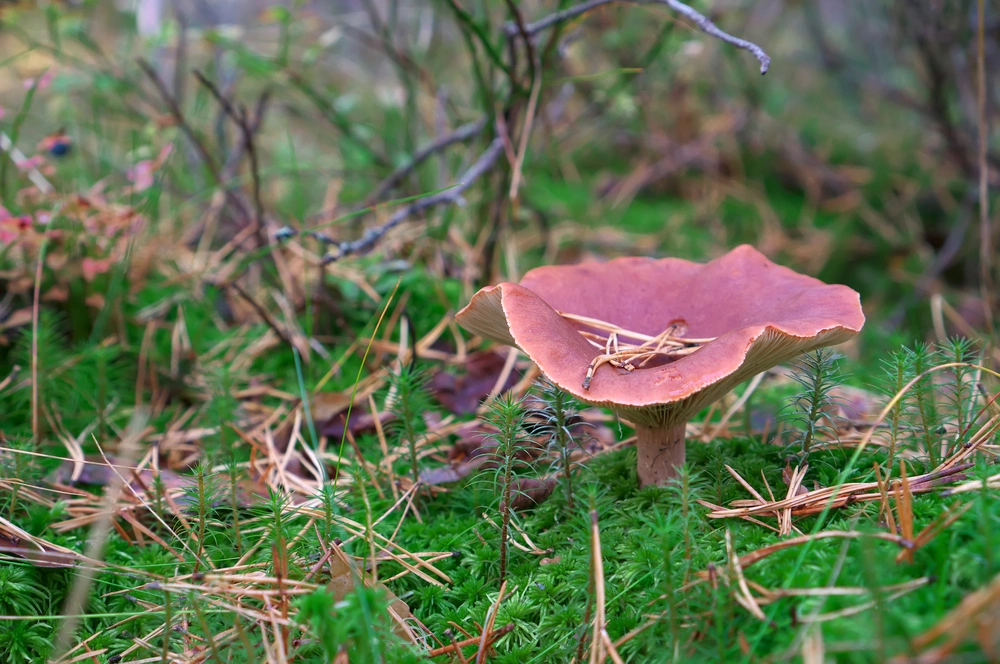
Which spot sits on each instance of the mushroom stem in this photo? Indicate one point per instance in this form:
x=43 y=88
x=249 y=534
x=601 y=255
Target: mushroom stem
x=661 y=452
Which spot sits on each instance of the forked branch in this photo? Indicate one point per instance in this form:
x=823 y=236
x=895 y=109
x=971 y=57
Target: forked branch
x=488 y=159
x=450 y=195
x=699 y=19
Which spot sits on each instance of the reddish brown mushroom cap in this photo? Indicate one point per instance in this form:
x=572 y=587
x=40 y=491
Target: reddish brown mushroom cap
x=760 y=314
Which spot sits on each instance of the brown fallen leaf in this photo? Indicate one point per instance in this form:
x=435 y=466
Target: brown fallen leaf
x=474 y=440
x=550 y=561
x=473 y=449
x=786 y=477
x=529 y=492
x=17 y=542
x=856 y=405
x=359 y=422
x=37 y=556
x=329 y=411
x=344 y=577
x=96 y=472
x=461 y=394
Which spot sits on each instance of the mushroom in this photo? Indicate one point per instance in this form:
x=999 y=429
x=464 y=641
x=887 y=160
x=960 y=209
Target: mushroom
x=658 y=340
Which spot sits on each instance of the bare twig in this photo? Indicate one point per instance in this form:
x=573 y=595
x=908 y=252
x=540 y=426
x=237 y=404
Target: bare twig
x=456 y=646
x=485 y=642
x=337 y=119
x=985 y=230
x=448 y=196
x=486 y=161
x=199 y=145
x=247 y=127
x=235 y=155
x=461 y=134
x=700 y=20
x=535 y=67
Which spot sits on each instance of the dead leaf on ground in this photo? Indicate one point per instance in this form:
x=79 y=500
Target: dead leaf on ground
x=17 y=318
x=329 y=411
x=38 y=557
x=345 y=574
x=473 y=449
x=461 y=394
x=530 y=492
x=786 y=477
x=856 y=405
x=359 y=422
x=96 y=472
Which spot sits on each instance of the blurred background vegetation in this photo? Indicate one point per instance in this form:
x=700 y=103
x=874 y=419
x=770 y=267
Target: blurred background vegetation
x=855 y=158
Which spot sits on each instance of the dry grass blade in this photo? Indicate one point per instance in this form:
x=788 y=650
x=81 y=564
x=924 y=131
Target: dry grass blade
x=816 y=501
x=934 y=528
x=748 y=559
x=98 y=538
x=769 y=595
x=753 y=492
x=956 y=626
x=15 y=541
x=484 y=640
x=885 y=508
x=744 y=596
x=813 y=651
x=904 y=589
x=601 y=645
x=456 y=646
x=904 y=508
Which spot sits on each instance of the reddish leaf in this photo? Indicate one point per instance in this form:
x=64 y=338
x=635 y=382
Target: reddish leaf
x=96 y=472
x=17 y=318
x=93 y=266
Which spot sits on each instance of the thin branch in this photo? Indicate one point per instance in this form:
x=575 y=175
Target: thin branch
x=206 y=156
x=712 y=30
x=247 y=127
x=535 y=66
x=488 y=159
x=343 y=124
x=463 y=133
x=448 y=196
x=703 y=23
x=985 y=229
x=178 y=114
x=236 y=155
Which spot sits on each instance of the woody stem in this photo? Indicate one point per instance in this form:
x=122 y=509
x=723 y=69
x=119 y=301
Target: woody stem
x=660 y=451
